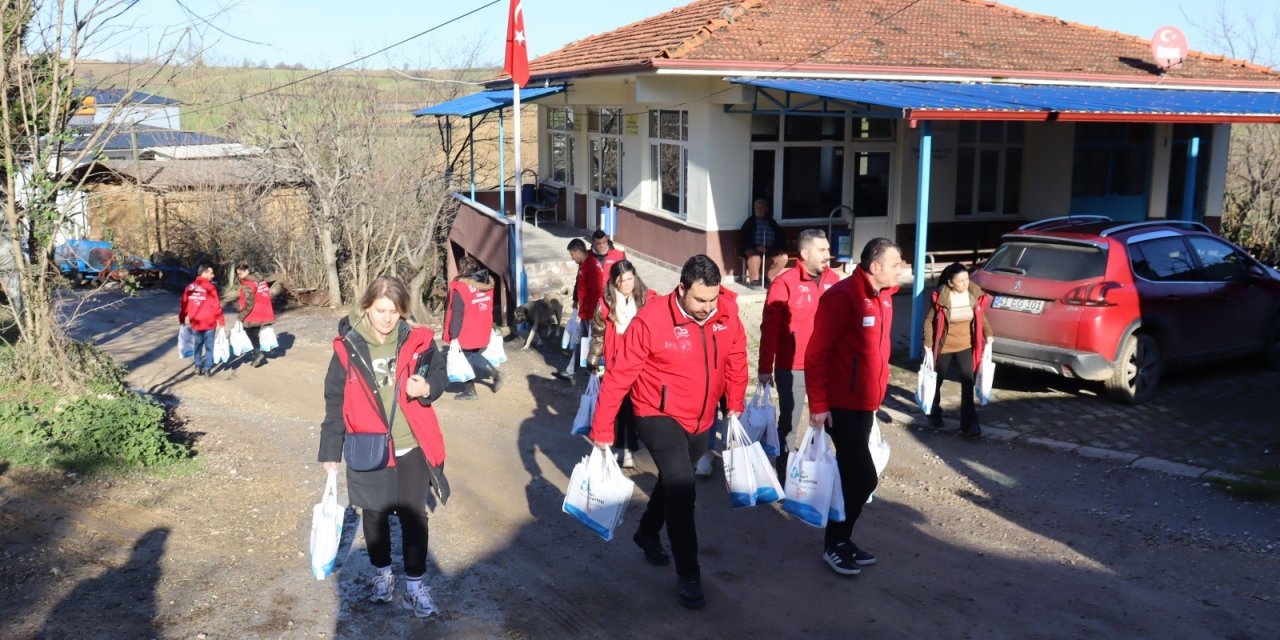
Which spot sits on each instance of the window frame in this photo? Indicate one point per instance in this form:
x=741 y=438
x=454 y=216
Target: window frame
x=656 y=143
x=563 y=131
x=1002 y=171
x=596 y=141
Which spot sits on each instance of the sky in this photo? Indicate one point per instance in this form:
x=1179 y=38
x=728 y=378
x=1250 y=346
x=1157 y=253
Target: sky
x=323 y=33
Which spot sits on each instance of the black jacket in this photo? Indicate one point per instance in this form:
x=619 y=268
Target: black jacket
x=747 y=239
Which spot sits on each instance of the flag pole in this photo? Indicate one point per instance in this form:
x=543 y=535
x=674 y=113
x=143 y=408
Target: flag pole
x=517 y=264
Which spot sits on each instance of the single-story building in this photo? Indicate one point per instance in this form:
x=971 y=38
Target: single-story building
x=821 y=110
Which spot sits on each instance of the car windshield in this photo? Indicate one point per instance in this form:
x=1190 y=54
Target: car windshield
x=1047 y=261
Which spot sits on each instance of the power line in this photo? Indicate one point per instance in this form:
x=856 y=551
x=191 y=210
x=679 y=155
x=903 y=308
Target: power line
x=350 y=62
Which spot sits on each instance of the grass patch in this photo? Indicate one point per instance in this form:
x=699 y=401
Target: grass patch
x=104 y=426
x=1260 y=486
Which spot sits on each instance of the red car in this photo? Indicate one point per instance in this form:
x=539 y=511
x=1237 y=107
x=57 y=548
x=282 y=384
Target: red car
x=1121 y=303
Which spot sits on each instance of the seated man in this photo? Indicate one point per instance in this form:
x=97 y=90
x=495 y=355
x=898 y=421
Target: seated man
x=762 y=238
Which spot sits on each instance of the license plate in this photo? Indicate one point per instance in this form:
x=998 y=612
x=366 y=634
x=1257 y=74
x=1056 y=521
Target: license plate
x=1023 y=305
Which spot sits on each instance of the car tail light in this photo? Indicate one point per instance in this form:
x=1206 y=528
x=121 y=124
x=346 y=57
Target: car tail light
x=1091 y=295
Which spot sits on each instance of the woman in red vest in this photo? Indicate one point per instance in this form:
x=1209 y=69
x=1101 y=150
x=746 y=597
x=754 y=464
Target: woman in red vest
x=469 y=320
x=255 y=307
x=382 y=379
x=624 y=296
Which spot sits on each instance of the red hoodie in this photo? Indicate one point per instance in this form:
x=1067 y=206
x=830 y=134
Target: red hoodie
x=847 y=363
x=200 y=303
x=672 y=366
x=788 y=317
x=593 y=275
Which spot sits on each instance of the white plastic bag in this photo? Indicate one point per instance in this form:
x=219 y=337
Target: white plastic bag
x=811 y=478
x=598 y=493
x=186 y=342
x=879 y=448
x=326 y=529
x=748 y=474
x=760 y=419
x=836 y=512
x=926 y=384
x=221 y=347
x=986 y=374
x=572 y=331
x=240 y=342
x=267 y=339
x=495 y=353
x=586 y=407
x=456 y=364
x=584 y=350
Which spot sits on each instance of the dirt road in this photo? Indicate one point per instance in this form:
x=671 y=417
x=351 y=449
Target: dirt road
x=975 y=539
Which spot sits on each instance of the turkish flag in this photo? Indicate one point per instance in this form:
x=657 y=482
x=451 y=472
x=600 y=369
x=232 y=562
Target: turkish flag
x=517 y=62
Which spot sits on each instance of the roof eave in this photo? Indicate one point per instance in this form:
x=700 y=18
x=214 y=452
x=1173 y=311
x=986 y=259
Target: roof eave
x=717 y=67
x=560 y=75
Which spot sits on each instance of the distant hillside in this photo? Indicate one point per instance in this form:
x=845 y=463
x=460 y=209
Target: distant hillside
x=210 y=94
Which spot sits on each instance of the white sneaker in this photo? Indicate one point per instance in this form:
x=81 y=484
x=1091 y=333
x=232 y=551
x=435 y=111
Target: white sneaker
x=419 y=602
x=384 y=587
x=628 y=460
x=703 y=468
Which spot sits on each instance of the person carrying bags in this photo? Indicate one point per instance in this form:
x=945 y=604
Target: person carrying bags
x=956 y=330
x=625 y=294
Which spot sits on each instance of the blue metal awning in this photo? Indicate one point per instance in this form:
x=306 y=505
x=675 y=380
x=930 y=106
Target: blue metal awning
x=999 y=101
x=485 y=101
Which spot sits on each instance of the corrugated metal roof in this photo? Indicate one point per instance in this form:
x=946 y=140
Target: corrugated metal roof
x=955 y=100
x=485 y=101
x=123 y=137
x=117 y=96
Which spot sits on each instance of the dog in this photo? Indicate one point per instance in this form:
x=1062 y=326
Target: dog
x=543 y=317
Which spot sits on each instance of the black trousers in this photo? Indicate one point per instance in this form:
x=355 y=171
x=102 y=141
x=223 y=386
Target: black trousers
x=253 y=332
x=624 y=426
x=412 y=483
x=849 y=432
x=964 y=369
x=675 y=451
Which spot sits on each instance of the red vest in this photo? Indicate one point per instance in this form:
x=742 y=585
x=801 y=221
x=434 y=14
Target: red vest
x=361 y=411
x=263 y=312
x=477 y=315
x=594 y=275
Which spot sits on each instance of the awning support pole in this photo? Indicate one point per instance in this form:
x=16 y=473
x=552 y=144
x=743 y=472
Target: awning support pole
x=1189 y=190
x=922 y=239
x=471 y=142
x=502 y=165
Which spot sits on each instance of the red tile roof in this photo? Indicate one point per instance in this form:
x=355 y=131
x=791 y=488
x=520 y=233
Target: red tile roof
x=922 y=36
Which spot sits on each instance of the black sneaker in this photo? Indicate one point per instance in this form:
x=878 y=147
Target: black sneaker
x=862 y=558
x=466 y=395
x=840 y=558
x=259 y=360
x=690 y=592
x=560 y=375
x=935 y=420
x=653 y=552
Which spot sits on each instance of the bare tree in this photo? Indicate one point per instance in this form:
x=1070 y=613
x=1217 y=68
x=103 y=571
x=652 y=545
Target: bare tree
x=1251 y=207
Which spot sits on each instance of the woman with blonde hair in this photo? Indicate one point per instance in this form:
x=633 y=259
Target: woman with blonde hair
x=383 y=377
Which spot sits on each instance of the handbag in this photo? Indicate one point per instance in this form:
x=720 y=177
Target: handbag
x=370 y=451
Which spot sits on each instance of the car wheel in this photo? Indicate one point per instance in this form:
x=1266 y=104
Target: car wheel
x=1137 y=371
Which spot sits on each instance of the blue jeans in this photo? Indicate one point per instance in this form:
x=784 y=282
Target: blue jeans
x=204 y=347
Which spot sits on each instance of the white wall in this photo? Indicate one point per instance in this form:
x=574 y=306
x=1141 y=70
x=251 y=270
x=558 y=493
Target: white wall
x=1219 y=152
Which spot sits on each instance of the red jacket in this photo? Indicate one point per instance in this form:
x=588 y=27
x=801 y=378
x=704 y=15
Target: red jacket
x=788 y=317
x=608 y=336
x=469 y=318
x=200 y=303
x=361 y=409
x=673 y=367
x=847 y=363
x=261 y=311
x=593 y=275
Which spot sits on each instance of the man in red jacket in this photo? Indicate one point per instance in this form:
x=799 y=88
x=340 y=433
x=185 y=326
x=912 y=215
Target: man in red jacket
x=201 y=310
x=847 y=366
x=679 y=356
x=787 y=325
x=593 y=276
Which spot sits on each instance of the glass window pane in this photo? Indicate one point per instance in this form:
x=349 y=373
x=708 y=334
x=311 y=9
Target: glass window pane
x=988 y=178
x=653 y=124
x=1219 y=260
x=764 y=128
x=669 y=158
x=1012 y=180
x=561 y=158
x=609 y=121
x=873 y=128
x=991 y=132
x=593 y=120
x=1089 y=173
x=669 y=125
x=610 y=168
x=684 y=125
x=871 y=185
x=1165 y=260
x=595 y=164
x=655 y=173
x=1043 y=261
x=813 y=128
x=964 y=181
x=1013 y=132
x=968 y=132
x=1130 y=171
x=811 y=181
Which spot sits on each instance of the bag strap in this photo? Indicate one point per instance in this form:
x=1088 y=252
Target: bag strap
x=331 y=486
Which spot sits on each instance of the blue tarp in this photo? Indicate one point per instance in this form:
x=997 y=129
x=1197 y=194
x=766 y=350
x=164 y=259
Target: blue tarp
x=1025 y=99
x=485 y=101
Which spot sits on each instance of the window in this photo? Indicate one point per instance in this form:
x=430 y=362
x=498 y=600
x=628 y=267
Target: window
x=669 y=158
x=560 y=142
x=812 y=181
x=989 y=168
x=1111 y=160
x=1045 y=261
x=604 y=129
x=1162 y=260
x=1220 y=261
